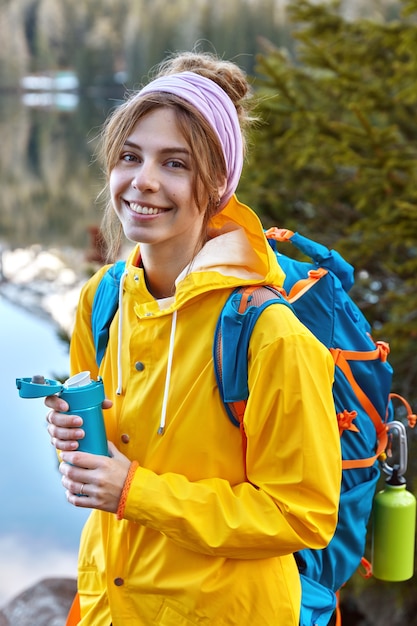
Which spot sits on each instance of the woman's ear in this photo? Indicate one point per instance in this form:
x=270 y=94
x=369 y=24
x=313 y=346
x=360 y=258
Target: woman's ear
x=222 y=188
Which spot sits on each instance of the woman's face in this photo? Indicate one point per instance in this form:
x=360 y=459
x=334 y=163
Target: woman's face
x=151 y=185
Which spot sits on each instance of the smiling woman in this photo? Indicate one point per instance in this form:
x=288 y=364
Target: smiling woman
x=209 y=120
x=184 y=528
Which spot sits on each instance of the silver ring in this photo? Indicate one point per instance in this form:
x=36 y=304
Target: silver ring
x=82 y=489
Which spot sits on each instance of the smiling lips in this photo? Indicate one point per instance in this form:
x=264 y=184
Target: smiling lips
x=145 y=210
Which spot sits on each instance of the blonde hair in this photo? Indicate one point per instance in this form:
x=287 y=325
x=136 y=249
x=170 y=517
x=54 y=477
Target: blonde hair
x=206 y=151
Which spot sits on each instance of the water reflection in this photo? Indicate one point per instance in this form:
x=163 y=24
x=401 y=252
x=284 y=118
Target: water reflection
x=48 y=176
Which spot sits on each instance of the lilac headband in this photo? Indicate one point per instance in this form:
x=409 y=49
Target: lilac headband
x=217 y=108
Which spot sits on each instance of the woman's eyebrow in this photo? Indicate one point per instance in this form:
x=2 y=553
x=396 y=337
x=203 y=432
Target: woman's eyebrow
x=175 y=149
x=165 y=150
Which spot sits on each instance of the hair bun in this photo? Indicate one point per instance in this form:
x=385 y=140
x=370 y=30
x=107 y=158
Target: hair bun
x=229 y=76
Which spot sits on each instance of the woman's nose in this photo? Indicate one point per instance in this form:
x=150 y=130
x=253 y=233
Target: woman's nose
x=145 y=178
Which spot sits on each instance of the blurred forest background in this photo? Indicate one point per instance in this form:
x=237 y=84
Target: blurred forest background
x=334 y=156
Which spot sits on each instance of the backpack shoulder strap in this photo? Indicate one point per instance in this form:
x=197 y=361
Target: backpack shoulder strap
x=105 y=304
x=234 y=328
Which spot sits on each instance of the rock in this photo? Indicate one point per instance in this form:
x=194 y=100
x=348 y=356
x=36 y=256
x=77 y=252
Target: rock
x=44 y=604
x=45 y=282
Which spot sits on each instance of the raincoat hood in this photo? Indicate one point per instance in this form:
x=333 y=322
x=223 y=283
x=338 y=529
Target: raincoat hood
x=236 y=253
x=238 y=248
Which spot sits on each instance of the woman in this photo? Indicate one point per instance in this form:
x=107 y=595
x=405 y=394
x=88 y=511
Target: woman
x=183 y=530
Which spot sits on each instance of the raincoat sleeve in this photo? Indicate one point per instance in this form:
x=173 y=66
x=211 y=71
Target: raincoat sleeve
x=293 y=462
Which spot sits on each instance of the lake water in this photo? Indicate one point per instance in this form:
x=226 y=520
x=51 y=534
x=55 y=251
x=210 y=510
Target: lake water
x=49 y=183
x=39 y=530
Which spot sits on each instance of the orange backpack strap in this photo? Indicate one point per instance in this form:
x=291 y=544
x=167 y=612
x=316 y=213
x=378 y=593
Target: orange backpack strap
x=304 y=284
x=380 y=426
x=338 y=621
x=366 y=571
x=411 y=417
x=279 y=234
x=381 y=352
x=74 y=615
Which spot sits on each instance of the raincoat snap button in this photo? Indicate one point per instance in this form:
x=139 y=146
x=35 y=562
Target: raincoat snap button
x=139 y=366
x=119 y=582
x=125 y=438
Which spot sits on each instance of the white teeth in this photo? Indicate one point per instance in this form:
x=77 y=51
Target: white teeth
x=145 y=210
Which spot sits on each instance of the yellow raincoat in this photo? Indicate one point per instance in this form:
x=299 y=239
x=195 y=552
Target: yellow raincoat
x=201 y=543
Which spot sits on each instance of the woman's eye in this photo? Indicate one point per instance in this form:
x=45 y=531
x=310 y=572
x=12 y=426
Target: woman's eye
x=128 y=158
x=175 y=164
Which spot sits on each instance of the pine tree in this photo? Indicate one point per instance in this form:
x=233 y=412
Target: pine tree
x=336 y=156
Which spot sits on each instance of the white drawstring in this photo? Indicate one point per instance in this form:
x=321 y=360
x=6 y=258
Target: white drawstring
x=161 y=428
x=119 y=335
x=119 y=389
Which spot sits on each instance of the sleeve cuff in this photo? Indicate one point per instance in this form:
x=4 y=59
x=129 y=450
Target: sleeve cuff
x=123 y=496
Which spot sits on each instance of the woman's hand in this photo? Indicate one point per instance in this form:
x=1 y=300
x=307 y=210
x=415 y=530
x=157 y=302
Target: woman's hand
x=91 y=480
x=94 y=481
x=65 y=430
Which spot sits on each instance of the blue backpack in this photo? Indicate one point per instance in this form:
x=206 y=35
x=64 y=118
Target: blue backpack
x=317 y=291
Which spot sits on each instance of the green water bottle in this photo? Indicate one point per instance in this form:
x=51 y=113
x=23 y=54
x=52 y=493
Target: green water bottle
x=393 y=530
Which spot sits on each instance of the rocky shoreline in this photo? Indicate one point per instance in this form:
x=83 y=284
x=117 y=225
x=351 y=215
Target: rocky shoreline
x=44 y=604
x=45 y=282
